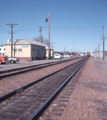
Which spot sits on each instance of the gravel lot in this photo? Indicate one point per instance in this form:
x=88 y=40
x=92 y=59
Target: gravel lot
x=87 y=100
x=13 y=82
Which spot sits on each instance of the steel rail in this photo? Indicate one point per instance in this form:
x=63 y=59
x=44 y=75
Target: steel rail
x=21 y=89
x=43 y=107
x=30 y=68
x=51 y=63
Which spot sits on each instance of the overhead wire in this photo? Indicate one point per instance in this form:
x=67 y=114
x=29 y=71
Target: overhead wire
x=62 y=28
x=27 y=29
x=22 y=34
x=59 y=28
x=76 y=27
x=3 y=27
x=4 y=32
x=56 y=28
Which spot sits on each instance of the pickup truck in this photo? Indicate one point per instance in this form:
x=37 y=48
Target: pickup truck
x=4 y=59
x=13 y=60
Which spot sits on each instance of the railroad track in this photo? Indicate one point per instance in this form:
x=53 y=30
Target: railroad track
x=36 y=96
x=15 y=71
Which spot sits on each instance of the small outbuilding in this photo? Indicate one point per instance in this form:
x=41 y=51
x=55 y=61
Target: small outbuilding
x=47 y=52
x=2 y=50
x=26 y=49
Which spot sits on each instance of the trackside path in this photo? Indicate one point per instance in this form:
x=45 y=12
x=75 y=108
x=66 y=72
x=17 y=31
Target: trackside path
x=89 y=99
x=86 y=99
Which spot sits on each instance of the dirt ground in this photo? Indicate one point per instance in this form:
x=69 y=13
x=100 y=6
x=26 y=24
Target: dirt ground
x=88 y=100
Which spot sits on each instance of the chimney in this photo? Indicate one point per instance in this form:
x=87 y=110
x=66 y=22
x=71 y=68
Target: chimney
x=8 y=40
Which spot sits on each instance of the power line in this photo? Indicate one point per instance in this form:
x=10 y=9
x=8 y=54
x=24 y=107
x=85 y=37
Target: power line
x=61 y=28
x=26 y=29
x=23 y=34
x=3 y=27
x=76 y=27
x=4 y=32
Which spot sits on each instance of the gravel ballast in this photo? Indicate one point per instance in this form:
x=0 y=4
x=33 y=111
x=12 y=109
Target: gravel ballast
x=88 y=99
x=13 y=82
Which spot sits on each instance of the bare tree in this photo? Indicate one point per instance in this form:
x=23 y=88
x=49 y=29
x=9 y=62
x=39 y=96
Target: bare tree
x=42 y=40
x=39 y=39
x=46 y=42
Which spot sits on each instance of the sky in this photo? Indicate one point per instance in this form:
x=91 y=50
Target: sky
x=75 y=25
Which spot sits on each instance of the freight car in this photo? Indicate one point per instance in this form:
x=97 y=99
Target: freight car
x=88 y=54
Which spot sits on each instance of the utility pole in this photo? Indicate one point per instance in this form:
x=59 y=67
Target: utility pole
x=64 y=49
x=73 y=47
x=103 y=42
x=98 y=50
x=41 y=33
x=48 y=20
x=95 y=53
x=49 y=36
x=52 y=50
x=11 y=26
x=52 y=45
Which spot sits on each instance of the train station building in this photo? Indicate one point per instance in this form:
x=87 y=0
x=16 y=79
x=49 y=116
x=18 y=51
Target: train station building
x=25 y=49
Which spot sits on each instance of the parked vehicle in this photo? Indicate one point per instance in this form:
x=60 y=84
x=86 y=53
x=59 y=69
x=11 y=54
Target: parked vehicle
x=58 y=56
x=3 y=59
x=13 y=60
x=67 y=56
x=88 y=54
x=71 y=55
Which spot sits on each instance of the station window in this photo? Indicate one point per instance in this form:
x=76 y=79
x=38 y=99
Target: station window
x=19 y=50
x=15 y=50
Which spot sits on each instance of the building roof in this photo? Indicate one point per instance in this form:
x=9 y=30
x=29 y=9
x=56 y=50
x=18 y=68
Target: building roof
x=24 y=41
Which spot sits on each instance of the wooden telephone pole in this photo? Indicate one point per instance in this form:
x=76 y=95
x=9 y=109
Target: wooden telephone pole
x=49 y=36
x=48 y=20
x=11 y=26
x=103 y=42
x=41 y=33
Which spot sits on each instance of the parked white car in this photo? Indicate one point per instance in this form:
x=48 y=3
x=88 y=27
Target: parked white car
x=66 y=56
x=58 y=56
